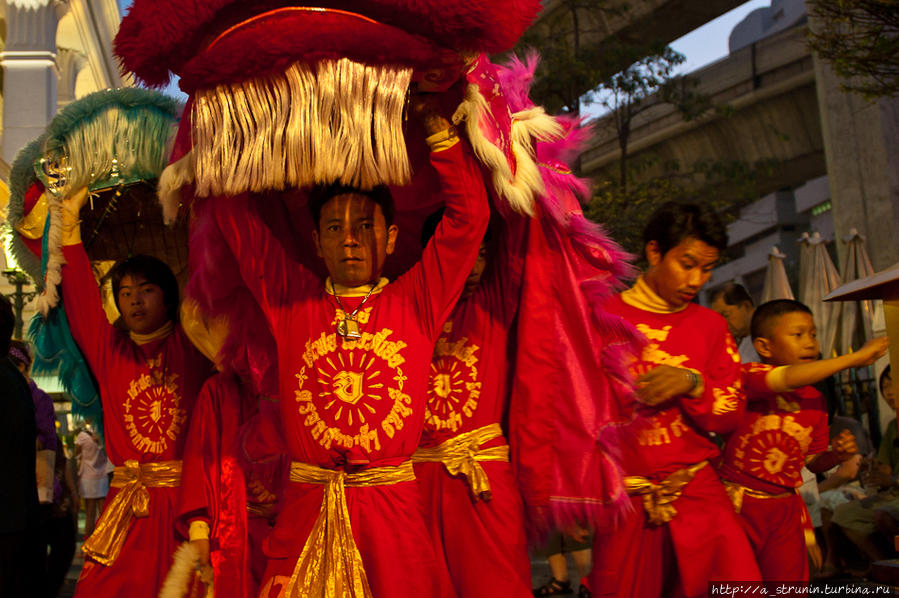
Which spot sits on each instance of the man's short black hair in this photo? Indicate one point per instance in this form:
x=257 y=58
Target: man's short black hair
x=674 y=222
x=733 y=294
x=320 y=195
x=7 y=324
x=154 y=271
x=766 y=313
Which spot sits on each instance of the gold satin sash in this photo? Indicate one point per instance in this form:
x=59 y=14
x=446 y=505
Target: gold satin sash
x=330 y=565
x=658 y=499
x=133 y=500
x=460 y=455
x=736 y=492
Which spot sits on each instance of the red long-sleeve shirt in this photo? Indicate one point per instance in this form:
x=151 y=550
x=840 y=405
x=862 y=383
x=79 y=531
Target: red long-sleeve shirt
x=780 y=429
x=469 y=372
x=351 y=404
x=664 y=438
x=148 y=393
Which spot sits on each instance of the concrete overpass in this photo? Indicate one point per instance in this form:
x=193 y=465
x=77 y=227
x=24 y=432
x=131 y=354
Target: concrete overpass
x=627 y=22
x=773 y=114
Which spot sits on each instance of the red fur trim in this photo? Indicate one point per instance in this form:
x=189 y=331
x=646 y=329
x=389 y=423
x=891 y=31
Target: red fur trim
x=274 y=42
x=158 y=36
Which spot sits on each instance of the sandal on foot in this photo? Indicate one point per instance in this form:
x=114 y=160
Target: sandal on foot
x=583 y=592
x=553 y=587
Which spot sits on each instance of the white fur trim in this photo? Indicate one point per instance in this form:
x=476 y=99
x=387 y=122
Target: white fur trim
x=179 y=575
x=175 y=176
x=53 y=277
x=526 y=184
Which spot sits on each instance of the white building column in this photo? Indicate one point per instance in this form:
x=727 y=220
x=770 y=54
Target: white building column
x=70 y=63
x=29 y=71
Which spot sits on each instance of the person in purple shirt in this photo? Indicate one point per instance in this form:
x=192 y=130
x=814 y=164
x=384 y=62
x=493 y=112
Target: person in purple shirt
x=44 y=415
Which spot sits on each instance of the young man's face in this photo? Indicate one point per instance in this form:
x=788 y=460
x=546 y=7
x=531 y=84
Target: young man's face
x=792 y=338
x=354 y=240
x=142 y=304
x=738 y=316
x=679 y=274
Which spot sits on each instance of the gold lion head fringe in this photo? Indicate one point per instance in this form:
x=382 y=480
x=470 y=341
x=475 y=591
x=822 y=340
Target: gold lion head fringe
x=334 y=121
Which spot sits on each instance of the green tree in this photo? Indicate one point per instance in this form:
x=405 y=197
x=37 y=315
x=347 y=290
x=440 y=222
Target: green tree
x=723 y=185
x=860 y=39
x=569 y=61
x=648 y=82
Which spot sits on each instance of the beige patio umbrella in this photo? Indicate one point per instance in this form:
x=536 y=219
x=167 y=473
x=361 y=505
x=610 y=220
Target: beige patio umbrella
x=859 y=319
x=777 y=285
x=821 y=278
x=805 y=261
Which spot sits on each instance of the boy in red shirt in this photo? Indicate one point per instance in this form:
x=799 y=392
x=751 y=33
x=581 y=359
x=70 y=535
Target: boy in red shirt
x=785 y=427
x=149 y=377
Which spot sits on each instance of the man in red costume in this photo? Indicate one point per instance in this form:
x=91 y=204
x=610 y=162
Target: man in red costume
x=149 y=376
x=228 y=504
x=353 y=357
x=682 y=532
x=471 y=501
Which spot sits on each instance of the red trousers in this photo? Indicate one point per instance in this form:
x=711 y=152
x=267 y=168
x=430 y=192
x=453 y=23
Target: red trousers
x=704 y=542
x=482 y=543
x=146 y=555
x=775 y=531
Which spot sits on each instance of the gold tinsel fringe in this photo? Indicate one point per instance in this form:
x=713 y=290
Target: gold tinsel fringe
x=335 y=121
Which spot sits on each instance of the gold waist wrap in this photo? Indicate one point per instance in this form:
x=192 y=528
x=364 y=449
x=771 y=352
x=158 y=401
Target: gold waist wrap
x=330 y=564
x=736 y=492
x=658 y=499
x=461 y=454
x=133 y=500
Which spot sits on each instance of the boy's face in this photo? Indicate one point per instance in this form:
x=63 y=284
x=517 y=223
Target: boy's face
x=354 y=240
x=142 y=304
x=679 y=274
x=791 y=339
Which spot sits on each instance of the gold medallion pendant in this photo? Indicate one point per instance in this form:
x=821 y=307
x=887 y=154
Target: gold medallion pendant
x=349 y=329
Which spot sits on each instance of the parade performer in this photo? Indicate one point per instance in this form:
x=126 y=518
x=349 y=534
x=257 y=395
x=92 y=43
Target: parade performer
x=785 y=427
x=228 y=503
x=102 y=150
x=284 y=98
x=353 y=354
x=113 y=142
x=683 y=532
x=149 y=376
x=471 y=501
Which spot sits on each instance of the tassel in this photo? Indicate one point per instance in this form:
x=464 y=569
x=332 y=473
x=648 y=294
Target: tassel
x=335 y=121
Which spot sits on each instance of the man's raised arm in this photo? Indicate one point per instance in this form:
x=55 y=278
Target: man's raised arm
x=438 y=279
x=87 y=320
